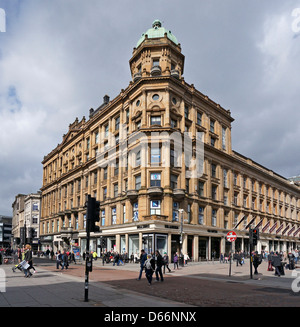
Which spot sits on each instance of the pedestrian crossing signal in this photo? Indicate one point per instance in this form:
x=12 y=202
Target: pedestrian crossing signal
x=254 y=236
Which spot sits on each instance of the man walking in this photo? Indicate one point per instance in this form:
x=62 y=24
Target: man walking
x=143 y=258
x=159 y=263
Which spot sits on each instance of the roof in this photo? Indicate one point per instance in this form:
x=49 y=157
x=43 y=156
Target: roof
x=157 y=31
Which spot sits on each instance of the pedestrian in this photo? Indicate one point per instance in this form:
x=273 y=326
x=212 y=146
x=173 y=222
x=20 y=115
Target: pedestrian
x=270 y=267
x=72 y=257
x=121 y=260
x=256 y=262
x=143 y=258
x=276 y=262
x=291 y=264
x=221 y=258
x=159 y=264
x=149 y=266
x=116 y=259
x=19 y=255
x=95 y=255
x=175 y=260
x=237 y=257
x=186 y=258
x=64 y=260
x=166 y=262
x=58 y=259
x=103 y=258
x=28 y=259
x=132 y=258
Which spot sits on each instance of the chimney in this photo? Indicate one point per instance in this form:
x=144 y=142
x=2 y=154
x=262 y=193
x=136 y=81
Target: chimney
x=106 y=99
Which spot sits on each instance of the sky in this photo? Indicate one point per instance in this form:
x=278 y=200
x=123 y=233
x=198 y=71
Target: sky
x=58 y=58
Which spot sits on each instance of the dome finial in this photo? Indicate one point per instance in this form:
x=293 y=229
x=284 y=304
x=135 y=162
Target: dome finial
x=156 y=23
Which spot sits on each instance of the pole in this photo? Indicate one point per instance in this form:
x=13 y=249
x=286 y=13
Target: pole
x=230 y=259
x=181 y=240
x=87 y=254
x=250 y=231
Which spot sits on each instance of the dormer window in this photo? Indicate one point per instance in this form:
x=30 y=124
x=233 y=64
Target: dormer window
x=155 y=62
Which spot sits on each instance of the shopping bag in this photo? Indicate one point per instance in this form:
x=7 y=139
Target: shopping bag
x=24 y=264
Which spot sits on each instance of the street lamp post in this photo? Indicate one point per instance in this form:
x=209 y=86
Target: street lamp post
x=181 y=237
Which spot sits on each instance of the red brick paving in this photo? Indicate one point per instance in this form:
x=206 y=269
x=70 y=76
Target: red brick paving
x=191 y=290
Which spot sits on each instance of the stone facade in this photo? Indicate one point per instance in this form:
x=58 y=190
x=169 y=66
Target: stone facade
x=131 y=155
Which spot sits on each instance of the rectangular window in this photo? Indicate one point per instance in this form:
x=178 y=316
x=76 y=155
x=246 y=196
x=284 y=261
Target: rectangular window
x=138 y=159
x=155 y=179
x=155 y=155
x=225 y=178
x=213 y=170
x=175 y=211
x=199 y=118
x=214 y=192
x=212 y=125
x=138 y=180
x=116 y=169
x=201 y=188
x=201 y=215
x=214 y=218
x=114 y=216
x=155 y=207
x=106 y=130
x=173 y=158
x=136 y=211
x=124 y=213
x=103 y=217
x=189 y=212
x=104 y=193
x=174 y=179
x=186 y=111
x=115 y=190
x=117 y=123
x=224 y=138
x=173 y=123
x=96 y=137
x=155 y=120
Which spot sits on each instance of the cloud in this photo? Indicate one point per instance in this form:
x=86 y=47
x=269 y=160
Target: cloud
x=58 y=59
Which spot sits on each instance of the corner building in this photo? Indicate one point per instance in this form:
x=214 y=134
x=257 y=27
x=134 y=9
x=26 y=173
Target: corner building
x=127 y=157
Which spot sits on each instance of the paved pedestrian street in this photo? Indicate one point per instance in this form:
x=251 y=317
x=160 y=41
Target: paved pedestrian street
x=195 y=285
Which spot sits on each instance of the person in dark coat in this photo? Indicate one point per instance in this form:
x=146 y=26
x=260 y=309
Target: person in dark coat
x=28 y=259
x=159 y=264
x=256 y=262
x=64 y=259
x=143 y=258
x=166 y=262
x=276 y=262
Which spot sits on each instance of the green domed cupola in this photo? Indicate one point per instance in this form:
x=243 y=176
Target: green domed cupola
x=157 y=54
x=157 y=31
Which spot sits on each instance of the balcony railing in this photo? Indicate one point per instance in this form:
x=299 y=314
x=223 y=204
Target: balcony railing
x=155 y=71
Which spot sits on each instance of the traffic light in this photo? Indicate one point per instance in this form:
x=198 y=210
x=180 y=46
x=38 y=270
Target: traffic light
x=93 y=214
x=31 y=233
x=255 y=236
x=103 y=243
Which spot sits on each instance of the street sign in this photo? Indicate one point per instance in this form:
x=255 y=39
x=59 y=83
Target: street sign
x=231 y=236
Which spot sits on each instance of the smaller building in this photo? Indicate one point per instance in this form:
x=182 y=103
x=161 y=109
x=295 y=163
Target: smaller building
x=5 y=231
x=26 y=218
